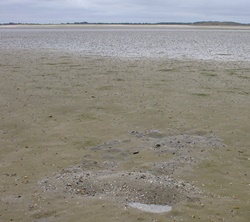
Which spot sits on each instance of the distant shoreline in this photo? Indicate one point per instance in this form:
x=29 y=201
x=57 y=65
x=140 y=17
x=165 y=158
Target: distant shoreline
x=205 y=25
x=199 y=23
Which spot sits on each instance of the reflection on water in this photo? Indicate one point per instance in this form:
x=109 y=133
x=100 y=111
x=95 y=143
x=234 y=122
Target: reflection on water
x=152 y=208
x=135 y=42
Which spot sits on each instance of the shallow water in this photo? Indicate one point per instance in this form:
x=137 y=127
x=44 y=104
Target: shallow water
x=180 y=43
x=151 y=208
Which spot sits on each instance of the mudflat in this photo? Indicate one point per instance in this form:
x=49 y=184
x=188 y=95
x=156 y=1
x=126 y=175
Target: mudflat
x=86 y=138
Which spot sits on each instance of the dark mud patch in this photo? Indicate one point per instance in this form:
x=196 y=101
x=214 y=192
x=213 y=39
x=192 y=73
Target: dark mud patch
x=153 y=160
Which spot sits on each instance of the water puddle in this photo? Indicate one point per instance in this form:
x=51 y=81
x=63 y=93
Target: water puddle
x=152 y=208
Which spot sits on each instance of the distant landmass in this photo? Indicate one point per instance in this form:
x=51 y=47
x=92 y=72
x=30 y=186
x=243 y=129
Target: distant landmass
x=220 y=23
x=200 y=23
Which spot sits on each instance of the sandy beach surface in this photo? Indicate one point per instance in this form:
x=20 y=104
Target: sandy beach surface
x=85 y=138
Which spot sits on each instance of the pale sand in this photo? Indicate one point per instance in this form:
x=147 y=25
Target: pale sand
x=56 y=108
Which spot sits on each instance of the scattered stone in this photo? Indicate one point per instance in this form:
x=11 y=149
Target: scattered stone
x=123 y=186
x=103 y=179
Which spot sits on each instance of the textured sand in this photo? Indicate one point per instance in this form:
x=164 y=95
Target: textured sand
x=130 y=121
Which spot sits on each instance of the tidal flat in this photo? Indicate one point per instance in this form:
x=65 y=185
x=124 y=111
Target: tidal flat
x=83 y=137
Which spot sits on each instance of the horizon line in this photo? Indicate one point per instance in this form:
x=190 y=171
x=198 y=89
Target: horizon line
x=130 y=23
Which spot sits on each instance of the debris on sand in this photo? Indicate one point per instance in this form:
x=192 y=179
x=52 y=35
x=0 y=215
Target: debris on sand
x=153 y=190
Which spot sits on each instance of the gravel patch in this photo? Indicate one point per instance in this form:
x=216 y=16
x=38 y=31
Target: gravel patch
x=157 y=186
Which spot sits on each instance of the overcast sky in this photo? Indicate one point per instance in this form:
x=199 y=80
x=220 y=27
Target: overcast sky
x=61 y=11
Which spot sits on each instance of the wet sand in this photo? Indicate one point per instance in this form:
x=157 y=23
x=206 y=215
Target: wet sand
x=83 y=137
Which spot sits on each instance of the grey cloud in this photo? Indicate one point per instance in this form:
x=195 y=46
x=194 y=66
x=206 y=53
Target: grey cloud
x=123 y=10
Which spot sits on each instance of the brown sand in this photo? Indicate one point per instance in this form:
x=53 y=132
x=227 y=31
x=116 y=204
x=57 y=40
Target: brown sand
x=83 y=136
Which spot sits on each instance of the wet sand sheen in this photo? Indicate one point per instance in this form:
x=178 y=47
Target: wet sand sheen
x=152 y=208
x=132 y=117
x=132 y=41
